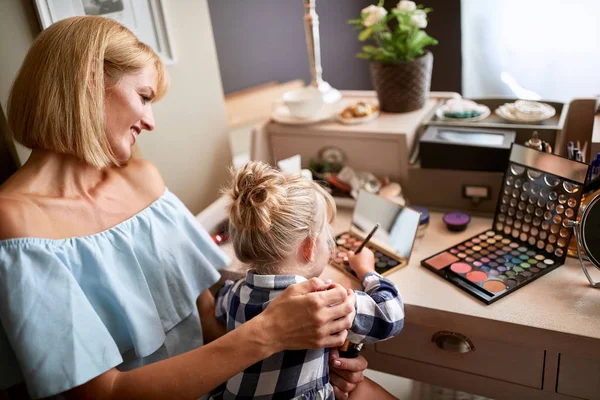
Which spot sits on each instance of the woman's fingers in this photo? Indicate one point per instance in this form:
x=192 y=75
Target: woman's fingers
x=358 y=364
x=342 y=309
x=335 y=340
x=336 y=294
x=339 y=395
x=309 y=286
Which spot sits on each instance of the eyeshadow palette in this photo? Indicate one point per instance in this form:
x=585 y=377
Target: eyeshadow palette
x=529 y=235
x=384 y=263
x=392 y=243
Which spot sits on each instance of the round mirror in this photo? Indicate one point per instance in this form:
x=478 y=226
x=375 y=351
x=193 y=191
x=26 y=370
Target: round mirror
x=590 y=230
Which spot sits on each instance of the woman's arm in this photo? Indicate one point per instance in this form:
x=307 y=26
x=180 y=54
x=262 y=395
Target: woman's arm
x=312 y=314
x=211 y=328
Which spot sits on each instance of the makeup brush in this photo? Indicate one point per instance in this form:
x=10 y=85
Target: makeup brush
x=369 y=236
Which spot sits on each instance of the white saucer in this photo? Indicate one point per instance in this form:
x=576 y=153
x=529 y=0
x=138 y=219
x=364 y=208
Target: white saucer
x=484 y=114
x=506 y=112
x=282 y=115
x=358 y=120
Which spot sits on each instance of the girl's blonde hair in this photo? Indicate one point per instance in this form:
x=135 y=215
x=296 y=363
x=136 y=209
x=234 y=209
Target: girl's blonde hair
x=57 y=100
x=271 y=213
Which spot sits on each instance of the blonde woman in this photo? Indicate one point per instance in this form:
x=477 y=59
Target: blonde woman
x=280 y=227
x=100 y=265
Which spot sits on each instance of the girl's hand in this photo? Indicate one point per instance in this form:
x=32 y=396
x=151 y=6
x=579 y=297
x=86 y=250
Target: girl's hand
x=309 y=315
x=362 y=263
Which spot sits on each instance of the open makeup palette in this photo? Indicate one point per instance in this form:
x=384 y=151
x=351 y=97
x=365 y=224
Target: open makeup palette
x=530 y=235
x=392 y=243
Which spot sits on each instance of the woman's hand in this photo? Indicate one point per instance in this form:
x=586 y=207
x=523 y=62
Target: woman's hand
x=345 y=373
x=309 y=315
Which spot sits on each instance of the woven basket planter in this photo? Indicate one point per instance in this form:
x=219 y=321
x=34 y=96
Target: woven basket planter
x=402 y=86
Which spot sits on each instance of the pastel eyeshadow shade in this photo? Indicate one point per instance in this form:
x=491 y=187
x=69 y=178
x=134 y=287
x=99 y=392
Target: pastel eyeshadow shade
x=525 y=265
x=494 y=286
x=455 y=251
x=502 y=269
x=494 y=272
x=514 y=245
x=381 y=264
x=469 y=259
x=392 y=263
x=485 y=260
x=442 y=260
x=524 y=257
x=476 y=240
x=341 y=241
x=460 y=267
x=548 y=261
x=484 y=268
x=477 y=264
x=477 y=276
x=541 y=265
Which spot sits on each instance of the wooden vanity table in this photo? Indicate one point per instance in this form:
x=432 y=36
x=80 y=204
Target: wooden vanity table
x=540 y=342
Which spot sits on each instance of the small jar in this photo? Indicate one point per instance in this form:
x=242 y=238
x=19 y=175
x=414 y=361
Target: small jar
x=424 y=222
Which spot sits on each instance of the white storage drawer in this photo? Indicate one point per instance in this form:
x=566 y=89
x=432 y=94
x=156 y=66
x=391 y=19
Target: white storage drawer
x=503 y=361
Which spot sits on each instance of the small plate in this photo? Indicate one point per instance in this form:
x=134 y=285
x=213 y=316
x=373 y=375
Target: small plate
x=282 y=115
x=506 y=112
x=484 y=114
x=358 y=120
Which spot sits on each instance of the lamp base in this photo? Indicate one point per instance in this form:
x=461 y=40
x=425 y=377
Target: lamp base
x=329 y=94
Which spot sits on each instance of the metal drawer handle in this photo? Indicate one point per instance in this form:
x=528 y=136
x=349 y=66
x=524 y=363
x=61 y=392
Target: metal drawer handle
x=452 y=342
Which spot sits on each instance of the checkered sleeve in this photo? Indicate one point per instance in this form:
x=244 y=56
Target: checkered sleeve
x=379 y=311
x=222 y=300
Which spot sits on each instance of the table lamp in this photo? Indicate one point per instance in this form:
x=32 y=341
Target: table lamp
x=311 y=28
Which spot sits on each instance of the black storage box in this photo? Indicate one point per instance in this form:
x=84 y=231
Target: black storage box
x=448 y=147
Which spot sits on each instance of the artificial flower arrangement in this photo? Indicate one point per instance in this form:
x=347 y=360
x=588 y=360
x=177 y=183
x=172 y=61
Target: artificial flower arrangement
x=398 y=35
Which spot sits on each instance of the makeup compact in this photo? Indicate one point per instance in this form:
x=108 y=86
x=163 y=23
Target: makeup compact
x=539 y=198
x=473 y=149
x=392 y=242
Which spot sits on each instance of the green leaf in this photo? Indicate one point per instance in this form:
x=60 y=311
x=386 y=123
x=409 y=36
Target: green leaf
x=364 y=35
x=363 y=56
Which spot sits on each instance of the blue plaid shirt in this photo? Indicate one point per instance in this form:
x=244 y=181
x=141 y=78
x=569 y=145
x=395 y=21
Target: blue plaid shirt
x=302 y=374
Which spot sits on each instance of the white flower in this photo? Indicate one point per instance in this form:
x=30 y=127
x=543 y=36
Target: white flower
x=419 y=19
x=374 y=15
x=406 y=5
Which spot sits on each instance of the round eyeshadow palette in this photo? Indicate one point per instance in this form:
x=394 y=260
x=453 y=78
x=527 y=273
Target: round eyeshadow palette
x=528 y=237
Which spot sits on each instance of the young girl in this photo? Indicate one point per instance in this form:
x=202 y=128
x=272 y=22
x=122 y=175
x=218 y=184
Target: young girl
x=280 y=227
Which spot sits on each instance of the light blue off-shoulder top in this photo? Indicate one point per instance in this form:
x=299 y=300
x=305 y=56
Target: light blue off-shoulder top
x=72 y=309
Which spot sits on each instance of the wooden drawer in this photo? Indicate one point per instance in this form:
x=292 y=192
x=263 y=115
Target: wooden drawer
x=499 y=360
x=578 y=376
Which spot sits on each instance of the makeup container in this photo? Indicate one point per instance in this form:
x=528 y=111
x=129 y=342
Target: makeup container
x=530 y=234
x=424 y=222
x=392 y=243
x=456 y=221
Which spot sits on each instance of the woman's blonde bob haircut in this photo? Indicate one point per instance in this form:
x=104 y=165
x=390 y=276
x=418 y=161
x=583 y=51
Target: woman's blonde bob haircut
x=57 y=100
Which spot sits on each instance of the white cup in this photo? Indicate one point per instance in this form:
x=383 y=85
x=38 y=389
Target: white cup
x=303 y=103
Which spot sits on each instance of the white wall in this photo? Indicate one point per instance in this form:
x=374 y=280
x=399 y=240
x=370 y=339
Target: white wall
x=190 y=144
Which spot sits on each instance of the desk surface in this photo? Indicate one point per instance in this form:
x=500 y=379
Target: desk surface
x=560 y=301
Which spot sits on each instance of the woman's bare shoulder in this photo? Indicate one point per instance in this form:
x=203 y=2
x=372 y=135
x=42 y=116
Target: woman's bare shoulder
x=19 y=216
x=144 y=175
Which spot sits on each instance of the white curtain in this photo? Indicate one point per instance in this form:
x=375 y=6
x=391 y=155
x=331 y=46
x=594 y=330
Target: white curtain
x=533 y=49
